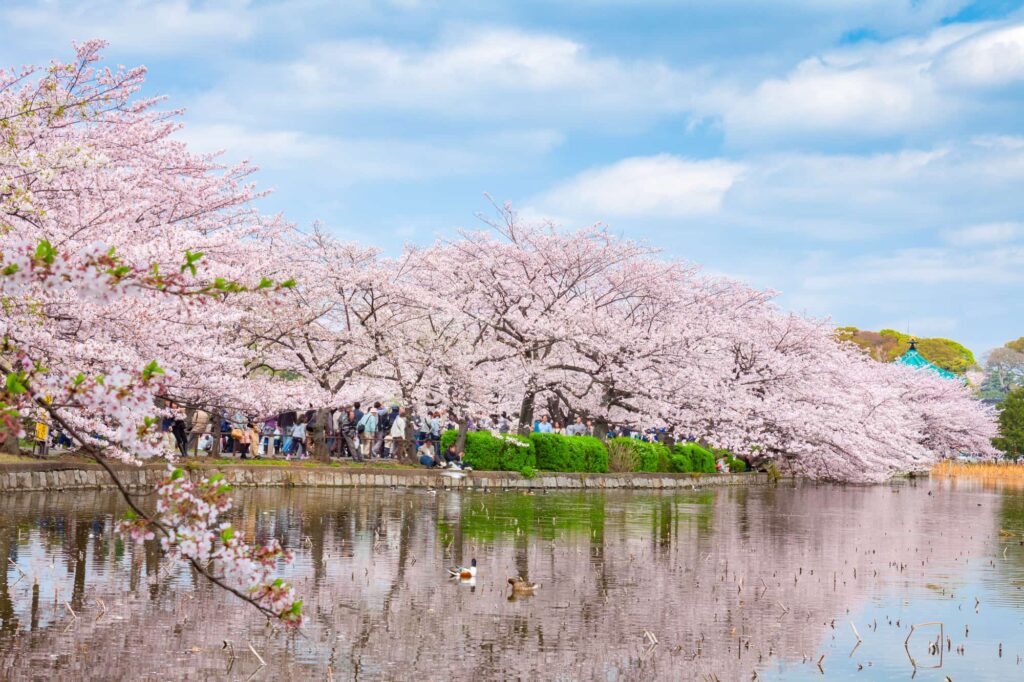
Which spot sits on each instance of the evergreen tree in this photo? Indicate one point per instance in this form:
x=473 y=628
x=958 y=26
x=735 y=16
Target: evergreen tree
x=1011 y=424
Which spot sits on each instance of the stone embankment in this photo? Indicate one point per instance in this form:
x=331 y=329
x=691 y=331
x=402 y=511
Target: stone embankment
x=31 y=476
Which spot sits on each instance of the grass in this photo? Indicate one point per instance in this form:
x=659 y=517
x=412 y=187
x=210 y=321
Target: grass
x=986 y=472
x=5 y=458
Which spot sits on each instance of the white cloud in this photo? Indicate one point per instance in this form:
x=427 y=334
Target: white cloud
x=848 y=197
x=926 y=268
x=487 y=74
x=341 y=160
x=989 y=58
x=912 y=86
x=140 y=26
x=986 y=233
x=663 y=185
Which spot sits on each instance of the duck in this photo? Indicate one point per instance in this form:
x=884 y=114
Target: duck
x=464 y=572
x=520 y=586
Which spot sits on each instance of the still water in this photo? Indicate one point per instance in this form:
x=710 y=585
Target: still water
x=727 y=583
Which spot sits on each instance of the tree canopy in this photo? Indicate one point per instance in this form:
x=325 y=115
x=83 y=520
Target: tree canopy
x=888 y=344
x=1011 y=424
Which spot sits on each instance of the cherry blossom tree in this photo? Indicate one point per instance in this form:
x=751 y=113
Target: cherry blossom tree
x=122 y=257
x=585 y=323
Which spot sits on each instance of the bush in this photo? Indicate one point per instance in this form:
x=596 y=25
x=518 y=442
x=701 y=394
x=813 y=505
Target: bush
x=737 y=465
x=553 y=452
x=592 y=452
x=486 y=452
x=701 y=459
x=556 y=452
x=643 y=456
x=680 y=463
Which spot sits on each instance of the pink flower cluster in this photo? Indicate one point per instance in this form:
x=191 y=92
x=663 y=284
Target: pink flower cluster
x=188 y=520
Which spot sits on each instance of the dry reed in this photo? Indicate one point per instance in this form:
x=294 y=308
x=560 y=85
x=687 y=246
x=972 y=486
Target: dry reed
x=985 y=472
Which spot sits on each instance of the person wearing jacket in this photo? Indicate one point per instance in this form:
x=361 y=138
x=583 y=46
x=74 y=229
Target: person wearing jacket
x=394 y=442
x=350 y=435
x=367 y=427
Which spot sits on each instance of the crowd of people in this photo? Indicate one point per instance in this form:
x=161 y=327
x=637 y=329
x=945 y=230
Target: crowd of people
x=377 y=431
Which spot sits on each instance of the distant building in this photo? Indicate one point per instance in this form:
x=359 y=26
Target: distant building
x=912 y=358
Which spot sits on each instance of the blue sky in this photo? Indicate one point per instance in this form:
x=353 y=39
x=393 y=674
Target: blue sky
x=863 y=157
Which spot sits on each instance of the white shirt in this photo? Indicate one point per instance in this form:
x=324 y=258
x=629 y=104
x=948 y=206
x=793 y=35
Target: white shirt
x=398 y=427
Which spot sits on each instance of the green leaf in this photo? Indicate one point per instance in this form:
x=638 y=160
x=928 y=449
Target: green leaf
x=15 y=383
x=176 y=474
x=265 y=283
x=11 y=269
x=45 y=252
x=119 y=272
x=216 y=477
x=227 y=534
x=287 y=284
x=129 y=515
x=190 y=261
x=151 y=369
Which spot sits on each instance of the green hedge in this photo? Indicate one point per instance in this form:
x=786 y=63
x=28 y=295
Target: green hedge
x=646 y=456
x=702 y=460
x=556 y=452
x=485 y=452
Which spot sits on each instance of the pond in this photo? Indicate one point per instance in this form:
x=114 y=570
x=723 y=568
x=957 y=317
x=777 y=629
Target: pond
x=718 y=584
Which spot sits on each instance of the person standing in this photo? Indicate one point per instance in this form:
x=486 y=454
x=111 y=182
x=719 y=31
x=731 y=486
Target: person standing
x=254 y=439
x=382 y=427
x=244 y=442
x=421 y=426
x=350 y=436
x=576 y=428
x=299 y=439
x=396 y=435
x=180 y=431
x=367 y=429
x=544 y=426
x=435 y=435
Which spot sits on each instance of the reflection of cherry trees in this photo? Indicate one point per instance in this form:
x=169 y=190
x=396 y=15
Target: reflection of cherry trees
x=723 y=580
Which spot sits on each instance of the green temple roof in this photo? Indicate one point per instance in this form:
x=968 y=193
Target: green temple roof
x=912 y=358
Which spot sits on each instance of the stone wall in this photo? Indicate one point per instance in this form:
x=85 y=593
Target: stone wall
x=58 y=476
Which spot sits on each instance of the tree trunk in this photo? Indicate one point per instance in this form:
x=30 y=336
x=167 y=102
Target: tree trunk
x=191 y=438
x=318 y=430
x=215 y=419
x=409 y=445
x=460 y=440
x=10 y=444
x=600 y=428
x=526 y=414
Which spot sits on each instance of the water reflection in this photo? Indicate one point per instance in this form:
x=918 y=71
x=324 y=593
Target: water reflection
x=633 y=586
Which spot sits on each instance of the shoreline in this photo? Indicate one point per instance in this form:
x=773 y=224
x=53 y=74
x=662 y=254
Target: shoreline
x=33 y=476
